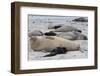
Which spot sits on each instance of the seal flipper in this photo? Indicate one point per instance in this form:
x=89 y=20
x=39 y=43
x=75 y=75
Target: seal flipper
x=53 y=53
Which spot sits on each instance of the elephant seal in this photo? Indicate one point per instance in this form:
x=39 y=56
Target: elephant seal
x=67 y=29
x=64 y=28
x=58 y=50
x=39 y=43
x=81 y=19
x=74 y=35
x=35 y=33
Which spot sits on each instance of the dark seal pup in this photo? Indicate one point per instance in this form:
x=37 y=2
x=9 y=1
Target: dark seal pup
x=58 y=50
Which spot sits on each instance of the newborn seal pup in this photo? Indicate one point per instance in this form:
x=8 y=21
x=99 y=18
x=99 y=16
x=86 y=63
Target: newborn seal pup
x=58 y=50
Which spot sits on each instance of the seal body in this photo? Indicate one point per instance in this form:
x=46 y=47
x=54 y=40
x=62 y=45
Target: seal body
x=39 y=43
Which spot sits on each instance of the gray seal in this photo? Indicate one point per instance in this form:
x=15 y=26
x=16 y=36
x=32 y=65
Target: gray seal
x=35 y=33
x=74 y=35
x=67 y=29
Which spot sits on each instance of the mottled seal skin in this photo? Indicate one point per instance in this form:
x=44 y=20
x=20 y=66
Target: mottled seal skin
x=35 y=33
x=58 y=50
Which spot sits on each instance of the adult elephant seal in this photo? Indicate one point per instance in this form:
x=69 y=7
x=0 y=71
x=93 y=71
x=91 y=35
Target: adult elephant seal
x=39 y=43
x=67 y=29
x=64 y=28
x=74 y=35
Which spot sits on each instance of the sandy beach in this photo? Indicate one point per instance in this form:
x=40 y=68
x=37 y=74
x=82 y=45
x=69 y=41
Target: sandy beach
x=43 y=26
